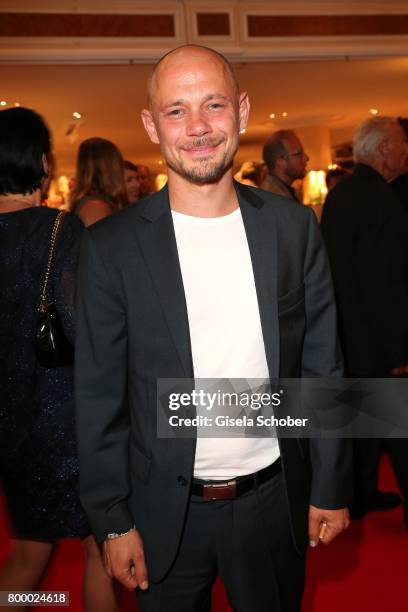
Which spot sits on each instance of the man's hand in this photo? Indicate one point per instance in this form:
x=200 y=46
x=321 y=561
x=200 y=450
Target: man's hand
x=124 y=560
x=325 y=525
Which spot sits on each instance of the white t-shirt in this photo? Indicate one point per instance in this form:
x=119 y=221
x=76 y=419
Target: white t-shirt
x=225 y=330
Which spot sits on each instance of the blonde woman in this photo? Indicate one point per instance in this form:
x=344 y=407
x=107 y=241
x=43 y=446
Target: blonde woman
x=99 y=187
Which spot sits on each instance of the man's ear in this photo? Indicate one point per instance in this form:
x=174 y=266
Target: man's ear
x=281 y=162
x=244 y=107
x=383 y=148
x=149 y=125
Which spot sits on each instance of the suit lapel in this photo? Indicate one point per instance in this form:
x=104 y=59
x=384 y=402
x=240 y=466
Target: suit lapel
x=158 y=243
x=262 y=240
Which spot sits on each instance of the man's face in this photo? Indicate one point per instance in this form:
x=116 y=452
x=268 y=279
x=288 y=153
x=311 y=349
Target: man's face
x=132 y=184
x=296 y=159
x=196 y=115
x=396 y=155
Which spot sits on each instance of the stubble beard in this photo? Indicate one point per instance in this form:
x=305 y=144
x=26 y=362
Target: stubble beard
x=204 y=170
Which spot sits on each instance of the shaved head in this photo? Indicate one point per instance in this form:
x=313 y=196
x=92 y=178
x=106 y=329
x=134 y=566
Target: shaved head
x=189 y=52
x=195 y=113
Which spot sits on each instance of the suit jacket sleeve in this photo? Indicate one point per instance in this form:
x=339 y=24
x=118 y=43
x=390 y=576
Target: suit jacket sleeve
x=101 y=399
x=331 y=457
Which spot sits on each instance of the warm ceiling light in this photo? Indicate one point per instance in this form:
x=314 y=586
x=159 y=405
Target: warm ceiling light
x=16 y=103
x=3 y=103
x=76 y=115
x=374 y=111
x=285 y=114
x=272 y=115
x=242 y=131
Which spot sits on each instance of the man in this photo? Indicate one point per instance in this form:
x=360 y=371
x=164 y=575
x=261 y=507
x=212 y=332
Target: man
x=286 y=161
x=145 y=180
x=203 y=280
x=365 y=229
x=400 y=184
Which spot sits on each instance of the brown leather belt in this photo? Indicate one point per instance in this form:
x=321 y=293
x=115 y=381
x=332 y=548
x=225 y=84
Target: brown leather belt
x=236 y=487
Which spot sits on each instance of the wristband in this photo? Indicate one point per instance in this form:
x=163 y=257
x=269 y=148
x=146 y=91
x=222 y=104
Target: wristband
x=113 y=536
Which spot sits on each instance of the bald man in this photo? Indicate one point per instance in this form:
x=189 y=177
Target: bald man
x=207 y=279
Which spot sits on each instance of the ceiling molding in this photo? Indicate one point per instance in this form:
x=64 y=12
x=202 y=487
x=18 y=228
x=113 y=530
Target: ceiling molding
x=276 y=7
x=230 y=24
x=325 y=7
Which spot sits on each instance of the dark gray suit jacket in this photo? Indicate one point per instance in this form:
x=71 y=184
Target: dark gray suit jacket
x=133 y=329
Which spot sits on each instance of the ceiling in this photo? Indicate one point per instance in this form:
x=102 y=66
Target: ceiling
x=333 y=96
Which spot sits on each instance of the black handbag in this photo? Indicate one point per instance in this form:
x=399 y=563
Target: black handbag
x=51 y=345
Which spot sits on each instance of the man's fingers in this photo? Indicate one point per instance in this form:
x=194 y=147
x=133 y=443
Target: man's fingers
x=125 y=561
x=314 y=526
x=325 y=525
x=126 y=577
x=140 y=571
x=107 y=563
x=329 y=533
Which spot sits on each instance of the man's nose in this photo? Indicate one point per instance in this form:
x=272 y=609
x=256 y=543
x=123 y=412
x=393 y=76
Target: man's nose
x=198 y=124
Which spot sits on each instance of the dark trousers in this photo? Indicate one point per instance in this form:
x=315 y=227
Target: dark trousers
x=247 y=542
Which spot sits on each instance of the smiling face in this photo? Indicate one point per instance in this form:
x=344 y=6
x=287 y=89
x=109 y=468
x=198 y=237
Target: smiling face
x=196 y=114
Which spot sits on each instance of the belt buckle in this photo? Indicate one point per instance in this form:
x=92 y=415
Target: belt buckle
x=226 y=490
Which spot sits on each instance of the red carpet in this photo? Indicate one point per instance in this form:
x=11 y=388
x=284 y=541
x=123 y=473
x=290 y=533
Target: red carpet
x=365 y=570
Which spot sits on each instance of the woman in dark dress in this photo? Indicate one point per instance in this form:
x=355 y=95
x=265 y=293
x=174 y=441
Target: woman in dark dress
x=38 y=461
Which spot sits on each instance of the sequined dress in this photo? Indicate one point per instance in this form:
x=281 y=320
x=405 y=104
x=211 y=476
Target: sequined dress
x=38 y=459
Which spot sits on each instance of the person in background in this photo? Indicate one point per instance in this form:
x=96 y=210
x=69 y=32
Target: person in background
x=145 y=180
x=251 y=173
x=286 y=161
x=365 y=229
x=99 y=188
x=38 y=453
x=400 y=184
x=335 y=176
x=132 y=184
x=71 y=184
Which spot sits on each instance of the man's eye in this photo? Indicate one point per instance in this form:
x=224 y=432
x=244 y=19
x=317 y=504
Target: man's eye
x=215 y=105
x=176 y=112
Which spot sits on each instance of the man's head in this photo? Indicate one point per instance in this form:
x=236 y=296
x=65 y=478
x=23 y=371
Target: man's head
x=195 y=113
x=284 y=155
x=381 y=142
x=145 y=180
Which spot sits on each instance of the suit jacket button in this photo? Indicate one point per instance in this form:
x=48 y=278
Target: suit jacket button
x=182 y=481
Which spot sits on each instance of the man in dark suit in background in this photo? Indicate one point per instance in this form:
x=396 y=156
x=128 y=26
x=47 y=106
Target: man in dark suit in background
x=366 y=233
x=400 y=184
x=206 y=279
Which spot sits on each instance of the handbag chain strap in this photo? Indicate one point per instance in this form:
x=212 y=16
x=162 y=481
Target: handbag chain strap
x=55 y=231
